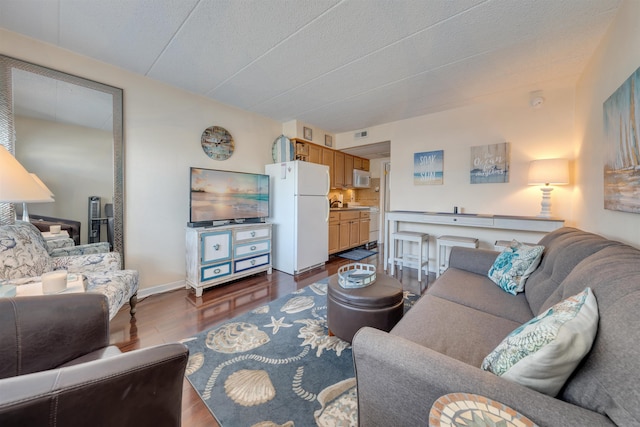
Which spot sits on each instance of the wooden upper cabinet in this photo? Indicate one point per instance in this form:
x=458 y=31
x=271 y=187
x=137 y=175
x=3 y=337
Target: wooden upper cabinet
x=315 y=153
x=348 y=170
x=338 y=169
x=357 y=163
x=328 y=159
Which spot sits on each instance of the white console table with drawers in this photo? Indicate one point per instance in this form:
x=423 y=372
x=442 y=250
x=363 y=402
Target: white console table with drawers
x=393 y=219
x=217 y=255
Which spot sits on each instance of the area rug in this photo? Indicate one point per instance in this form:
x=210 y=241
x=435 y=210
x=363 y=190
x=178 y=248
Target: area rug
x=357 y=254
x=277 y=366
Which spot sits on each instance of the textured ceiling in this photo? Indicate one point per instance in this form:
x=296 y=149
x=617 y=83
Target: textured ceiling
x=338 y=65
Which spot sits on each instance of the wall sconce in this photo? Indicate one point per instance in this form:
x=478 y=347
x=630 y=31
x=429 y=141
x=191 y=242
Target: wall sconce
x=17 y=185
x=547 y=172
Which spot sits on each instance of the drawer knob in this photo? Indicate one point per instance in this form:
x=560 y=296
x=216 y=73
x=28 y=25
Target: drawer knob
x=217 y=270
x=253 y=262
x=216 y=246
x=253 y=248
x=253 y=234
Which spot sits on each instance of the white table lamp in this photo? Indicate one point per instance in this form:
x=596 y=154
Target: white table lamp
x=17 y=185
x=548 y=172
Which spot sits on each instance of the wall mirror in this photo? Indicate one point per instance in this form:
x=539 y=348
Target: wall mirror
x=69 y=132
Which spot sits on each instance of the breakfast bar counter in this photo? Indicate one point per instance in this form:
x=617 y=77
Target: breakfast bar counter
x=394 y=219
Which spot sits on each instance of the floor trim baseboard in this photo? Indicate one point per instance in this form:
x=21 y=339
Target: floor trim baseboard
x=153 y=290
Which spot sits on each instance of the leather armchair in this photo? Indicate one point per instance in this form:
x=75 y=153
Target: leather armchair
x=57 y=368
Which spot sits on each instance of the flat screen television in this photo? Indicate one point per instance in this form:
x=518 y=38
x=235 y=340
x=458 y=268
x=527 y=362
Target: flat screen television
x=219 y=196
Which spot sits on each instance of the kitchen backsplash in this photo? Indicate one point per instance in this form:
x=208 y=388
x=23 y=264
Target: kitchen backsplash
x=361 y=196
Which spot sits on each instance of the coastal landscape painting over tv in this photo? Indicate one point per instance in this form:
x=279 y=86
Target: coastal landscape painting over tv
x=218 y=195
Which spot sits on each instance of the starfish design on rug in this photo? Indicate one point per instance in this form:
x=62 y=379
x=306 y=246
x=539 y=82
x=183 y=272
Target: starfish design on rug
x=277 y=324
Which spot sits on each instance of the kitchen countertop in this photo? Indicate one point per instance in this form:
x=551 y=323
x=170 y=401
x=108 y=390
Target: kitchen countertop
x=354 y=208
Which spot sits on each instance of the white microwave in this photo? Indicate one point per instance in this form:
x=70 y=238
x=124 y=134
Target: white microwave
x=361 y=179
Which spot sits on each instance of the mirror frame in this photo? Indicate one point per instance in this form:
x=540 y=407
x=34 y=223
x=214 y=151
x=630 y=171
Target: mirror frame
x=7 y=132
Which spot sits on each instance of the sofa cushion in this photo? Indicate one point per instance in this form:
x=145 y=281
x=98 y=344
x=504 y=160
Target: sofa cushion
x=542 y=353
x=478 y=292
x=460 y=332
x=607 y=379
x=564 y=249
x=514 y=265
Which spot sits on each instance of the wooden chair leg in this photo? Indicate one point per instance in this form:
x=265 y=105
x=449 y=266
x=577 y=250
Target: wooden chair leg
x=132 y=304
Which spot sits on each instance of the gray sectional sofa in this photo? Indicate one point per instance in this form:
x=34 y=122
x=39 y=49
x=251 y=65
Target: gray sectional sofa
x=439 y=345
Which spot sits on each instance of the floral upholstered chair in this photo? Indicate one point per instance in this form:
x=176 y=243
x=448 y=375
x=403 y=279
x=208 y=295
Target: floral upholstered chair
x=25 y=256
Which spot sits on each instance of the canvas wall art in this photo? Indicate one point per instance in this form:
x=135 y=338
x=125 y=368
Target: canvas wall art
x=427 y=168
x=622 y=153
x=490 y=163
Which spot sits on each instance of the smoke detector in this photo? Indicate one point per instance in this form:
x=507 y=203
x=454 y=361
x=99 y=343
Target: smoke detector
x=536 y=99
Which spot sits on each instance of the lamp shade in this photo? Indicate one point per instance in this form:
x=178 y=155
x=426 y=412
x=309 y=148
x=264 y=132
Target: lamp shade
x=549 y=172
x=16 y=184
x=42 y=184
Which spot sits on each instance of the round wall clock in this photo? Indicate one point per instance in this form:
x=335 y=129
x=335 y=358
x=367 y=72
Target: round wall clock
x=217 y=143
x=282 y=150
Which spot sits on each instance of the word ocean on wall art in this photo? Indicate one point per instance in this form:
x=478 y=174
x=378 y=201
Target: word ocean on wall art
x=490 y=164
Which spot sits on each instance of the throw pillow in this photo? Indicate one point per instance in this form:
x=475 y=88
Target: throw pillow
x=514 y=265
x=542 y=353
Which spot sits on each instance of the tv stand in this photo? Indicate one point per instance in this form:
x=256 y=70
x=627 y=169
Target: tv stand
x=226 y=253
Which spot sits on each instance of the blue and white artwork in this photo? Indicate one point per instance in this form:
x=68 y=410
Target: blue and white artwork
x=622 y=156
x=490 y=163
x=427 y=167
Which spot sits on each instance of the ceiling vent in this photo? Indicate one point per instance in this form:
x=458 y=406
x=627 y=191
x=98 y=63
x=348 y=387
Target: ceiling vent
x=361 y=134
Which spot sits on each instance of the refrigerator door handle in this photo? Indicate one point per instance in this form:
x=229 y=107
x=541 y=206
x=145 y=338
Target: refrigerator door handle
x=326 y=193
x=326 y=219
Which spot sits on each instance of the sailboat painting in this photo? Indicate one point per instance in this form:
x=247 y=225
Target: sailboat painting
x=622 y=161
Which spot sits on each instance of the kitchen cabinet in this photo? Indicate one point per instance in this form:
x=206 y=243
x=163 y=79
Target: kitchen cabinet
x=327 y=158
x=357 y=163
x=334 y=232
x=348 y=171
x=315 y=153
x=348 y=229
x=338 y=170
x=341 y=165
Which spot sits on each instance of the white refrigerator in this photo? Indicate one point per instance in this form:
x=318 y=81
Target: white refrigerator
x=299 y=212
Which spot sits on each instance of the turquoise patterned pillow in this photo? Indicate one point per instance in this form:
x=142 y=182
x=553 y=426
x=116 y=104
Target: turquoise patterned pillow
x=514 y=265
x=542 y=353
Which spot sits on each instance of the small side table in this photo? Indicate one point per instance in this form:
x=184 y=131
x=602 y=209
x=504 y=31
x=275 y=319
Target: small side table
x=465 y=409
x=75 y=284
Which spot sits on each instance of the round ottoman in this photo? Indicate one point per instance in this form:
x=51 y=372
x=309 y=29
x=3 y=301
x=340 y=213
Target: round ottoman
x=380 y=306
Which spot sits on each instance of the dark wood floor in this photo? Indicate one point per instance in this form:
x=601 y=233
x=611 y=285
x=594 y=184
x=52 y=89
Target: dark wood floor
x=175 y=315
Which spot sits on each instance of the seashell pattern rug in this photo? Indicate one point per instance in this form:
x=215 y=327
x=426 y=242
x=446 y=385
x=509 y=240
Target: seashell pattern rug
x=277 y=366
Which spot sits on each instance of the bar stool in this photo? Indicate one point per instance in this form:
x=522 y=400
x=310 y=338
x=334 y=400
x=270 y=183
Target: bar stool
x=406 y=259
x=450 y=241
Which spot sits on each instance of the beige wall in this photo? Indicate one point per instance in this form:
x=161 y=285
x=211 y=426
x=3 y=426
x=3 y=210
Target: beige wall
x=533 y=133
x=162 y=127
x=615 y=60
x=74 y=162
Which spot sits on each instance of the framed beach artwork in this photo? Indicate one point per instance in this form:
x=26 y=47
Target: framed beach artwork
x=622 y=150
x=427 y=168
x=490 y=164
